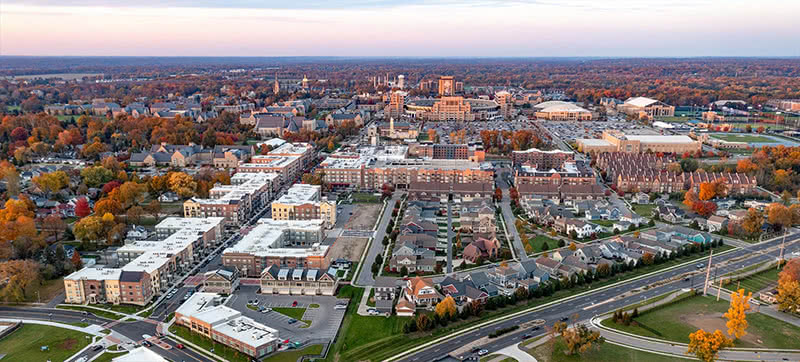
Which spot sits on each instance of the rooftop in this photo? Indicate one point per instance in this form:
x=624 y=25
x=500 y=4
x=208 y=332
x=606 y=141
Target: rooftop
x=268 y=238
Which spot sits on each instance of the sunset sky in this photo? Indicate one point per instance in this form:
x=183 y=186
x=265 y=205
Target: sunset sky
x=401 y=28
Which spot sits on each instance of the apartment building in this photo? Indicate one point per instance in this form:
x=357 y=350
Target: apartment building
x=286 y=243
x=247 y=194
x=297 y=281
x=149 y=266
x=304 y=202
x=397 y=105
x=450 y=108
x=542 y=159
x=568 y=173
x=205 y=314
x=471 y=152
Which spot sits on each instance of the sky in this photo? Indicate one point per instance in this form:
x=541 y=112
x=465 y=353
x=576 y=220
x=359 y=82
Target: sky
x=431 y=28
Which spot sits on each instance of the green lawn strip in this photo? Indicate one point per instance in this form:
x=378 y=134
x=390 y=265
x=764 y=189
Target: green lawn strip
x=112 y=347
x=607 y=223
x=206 y=343
x=644 y=210
x=313 y=305
x=655 y=299
x=24 y=344
x=99 y=313
x=671 y=323
x=107 y=357
x=755 y=282
x=539 y=240
x=79 y=324
x=47 y=290
x=554 y=352
x=252 y=307
x=295 y=354
x=379 y=346
x=122 y=308
x=365 y=198
x=531 y=341
x=296 y=313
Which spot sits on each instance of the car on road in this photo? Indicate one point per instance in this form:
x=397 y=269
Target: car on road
x=483 y=352
x=527 y=335
x=564 y=319
x=292 y=321
x=180 y=346
x=699 y=266
x=146 y=344
x=536 y=328
x=475 y=349
x=252 y=302
x=97 y=347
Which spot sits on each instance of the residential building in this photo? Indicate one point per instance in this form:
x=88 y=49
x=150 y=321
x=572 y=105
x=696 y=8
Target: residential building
x=238 y=202
x=297 y=281
x=304 y=202
x=205 y=314
x=223 y=280
x=421 y=292
x=542 y=159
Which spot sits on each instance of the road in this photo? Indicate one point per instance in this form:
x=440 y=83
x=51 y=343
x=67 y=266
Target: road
x=508 y=216
x=604 y=300
x=133 y=330
x=365 y=277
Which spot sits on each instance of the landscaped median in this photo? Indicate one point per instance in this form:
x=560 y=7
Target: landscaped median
x=387 y=340
x=103 y=313
x=674 y=321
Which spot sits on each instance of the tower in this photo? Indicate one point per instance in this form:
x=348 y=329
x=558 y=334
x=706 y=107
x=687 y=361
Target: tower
x=447 y=86
x=401 y=81
x=276 y=87
x=305 y=82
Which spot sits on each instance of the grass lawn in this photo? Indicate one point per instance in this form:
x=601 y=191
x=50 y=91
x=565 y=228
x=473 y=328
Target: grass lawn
x=313 y=305
x=554 y=352
x=494 y=355
x=365 y=198
x=749 y=138
x=206 y=343
x=293 y=355
x=96 y=312
x=127 y=309
x=107 y=357
x=252 y=307
x=296 y=313
x=539 y=240
x=24 y=343
x=675 y=322
x=644 y=210
x=755 y=282
x=607 y=223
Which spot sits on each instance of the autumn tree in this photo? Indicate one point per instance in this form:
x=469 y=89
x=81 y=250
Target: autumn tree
x=753 y=221
x=706 y=345
x=789 y=286
x=578 y=339
x=182 y=184
x=690 y=198
x=108 y=205
x=746 y=166
x=778 y=214
x=82 y=208
x=95 y=176
x=154 y=208
x=737 y=320
x=89 y=229
x=18 y=276
x=52 y=182
x=18 y=234
x=704 y=208
x=707 y=191
x=53 y=225
x=447 y=308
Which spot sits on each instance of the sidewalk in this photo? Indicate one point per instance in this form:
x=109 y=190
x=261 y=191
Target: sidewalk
x=515 y=352
x=91 y=329
x=362 y=305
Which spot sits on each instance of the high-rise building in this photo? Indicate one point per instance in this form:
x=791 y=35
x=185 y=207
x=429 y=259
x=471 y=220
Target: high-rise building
x=401 y=81
x=447 y=86
x=397 y=104
x=506 y=103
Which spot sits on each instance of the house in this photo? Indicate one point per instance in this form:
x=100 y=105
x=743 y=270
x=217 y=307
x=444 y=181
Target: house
x=169 y=196
x=737 y=215
x=422 y=292
x=297 y=281
x=716 y=223
x=385 y=294
x=640 y=198
x=631 y=217
x=590 y=254
x=582 y=229
x=670 y=213
x=424 y=241
x=457 y=289
x=481 y=248
x=504 y=276
x=224 y=280
x=621 y=226
x=405 y=308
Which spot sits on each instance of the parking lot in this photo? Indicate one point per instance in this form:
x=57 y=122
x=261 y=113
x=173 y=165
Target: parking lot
x=325 y=320
x=570 y=131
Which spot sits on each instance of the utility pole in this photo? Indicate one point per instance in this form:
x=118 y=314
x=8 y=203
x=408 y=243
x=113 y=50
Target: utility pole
x=708 y=272
x=783 y=243
x=719 y=283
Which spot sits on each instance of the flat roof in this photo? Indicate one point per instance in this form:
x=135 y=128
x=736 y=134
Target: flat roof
x=267 y=239
x=660 y=139
x=92 y=273
x=301 y=194
x=594 y=142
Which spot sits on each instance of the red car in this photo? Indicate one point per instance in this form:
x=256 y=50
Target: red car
x=294 y=304
x=179 y=346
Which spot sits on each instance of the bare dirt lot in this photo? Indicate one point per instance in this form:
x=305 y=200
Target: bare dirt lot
x=713 y=321
x=364 y=217
x=349 y=248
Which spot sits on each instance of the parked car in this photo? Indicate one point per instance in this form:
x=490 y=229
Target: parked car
x=266 y=310
x=292 y=321
x=340 y=306
x=483 y=352
x=146 y=344
x=294 y=304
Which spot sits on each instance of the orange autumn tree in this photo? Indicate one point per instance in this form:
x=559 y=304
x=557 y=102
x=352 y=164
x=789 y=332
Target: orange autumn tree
x=707 y=191
x=737 y=319
x=789 y=286
x=690 y=198
x=706 y=345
